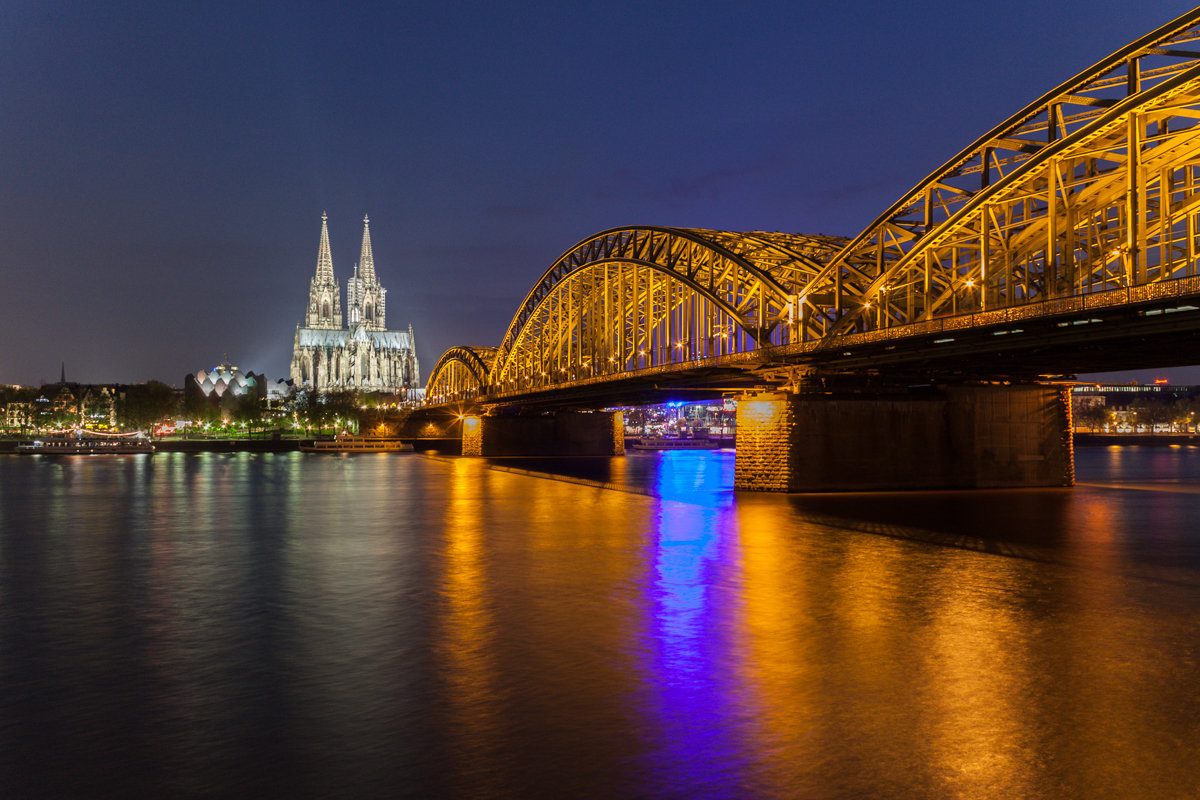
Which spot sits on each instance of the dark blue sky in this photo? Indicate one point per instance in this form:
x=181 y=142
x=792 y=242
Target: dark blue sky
x=163 y=167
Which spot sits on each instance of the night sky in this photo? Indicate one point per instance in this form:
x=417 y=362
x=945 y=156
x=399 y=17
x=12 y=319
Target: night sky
x=164 y=167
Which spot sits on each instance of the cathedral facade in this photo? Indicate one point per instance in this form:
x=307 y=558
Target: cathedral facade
x=354 y=350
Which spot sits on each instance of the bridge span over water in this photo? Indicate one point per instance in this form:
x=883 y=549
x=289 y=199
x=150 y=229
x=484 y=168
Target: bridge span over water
x=1064 y=240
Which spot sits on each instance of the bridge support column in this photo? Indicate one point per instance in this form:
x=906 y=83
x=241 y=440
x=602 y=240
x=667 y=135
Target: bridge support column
x=562 y=433
x=956 y=437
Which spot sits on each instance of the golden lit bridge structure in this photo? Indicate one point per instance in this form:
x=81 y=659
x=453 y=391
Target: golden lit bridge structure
x=1064 y=240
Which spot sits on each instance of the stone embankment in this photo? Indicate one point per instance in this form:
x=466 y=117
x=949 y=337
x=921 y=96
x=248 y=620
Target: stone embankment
x=202 y=445
x=1148 y=439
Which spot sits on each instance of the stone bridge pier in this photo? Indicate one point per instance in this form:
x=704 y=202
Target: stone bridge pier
x=985 y=436
x=557 y=433
x=551 y=433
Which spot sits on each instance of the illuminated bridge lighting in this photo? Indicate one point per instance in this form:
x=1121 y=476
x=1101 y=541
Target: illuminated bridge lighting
x=1088 y=198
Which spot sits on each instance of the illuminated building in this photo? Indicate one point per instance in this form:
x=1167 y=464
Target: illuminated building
x=361 y=354
x=226 y=379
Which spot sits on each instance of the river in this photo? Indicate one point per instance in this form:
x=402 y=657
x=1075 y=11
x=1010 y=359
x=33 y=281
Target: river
x=399 y=625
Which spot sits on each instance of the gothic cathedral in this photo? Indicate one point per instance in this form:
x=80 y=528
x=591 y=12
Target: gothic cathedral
x=362 y=354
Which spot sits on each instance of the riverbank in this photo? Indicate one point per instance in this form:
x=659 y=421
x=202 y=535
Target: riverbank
x=446 y=445
x=1147 y=439
x=203 y=445
x=229 y=445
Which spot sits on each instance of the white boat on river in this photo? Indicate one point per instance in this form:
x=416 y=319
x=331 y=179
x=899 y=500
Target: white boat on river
x=356 y=444
x=81 y=442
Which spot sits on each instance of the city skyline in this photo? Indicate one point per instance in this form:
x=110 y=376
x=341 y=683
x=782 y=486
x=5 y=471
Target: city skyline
x=164 y=178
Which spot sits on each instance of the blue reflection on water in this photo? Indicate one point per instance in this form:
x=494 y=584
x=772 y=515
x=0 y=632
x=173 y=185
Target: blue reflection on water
x=699 y=477
x=687 y=543
x=688 y=648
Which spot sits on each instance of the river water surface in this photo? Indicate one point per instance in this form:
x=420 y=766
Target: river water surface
x=396 y=625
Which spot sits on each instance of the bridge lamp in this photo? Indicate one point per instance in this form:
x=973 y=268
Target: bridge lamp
x=471 y=426
x=970 y=284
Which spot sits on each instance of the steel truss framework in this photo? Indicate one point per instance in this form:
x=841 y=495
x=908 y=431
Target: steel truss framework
x=632 y=299
x=1090 y=194
x=461 y=372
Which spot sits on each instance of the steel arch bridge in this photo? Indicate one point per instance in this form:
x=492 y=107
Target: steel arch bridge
x=461 y=371
x=1087 y=198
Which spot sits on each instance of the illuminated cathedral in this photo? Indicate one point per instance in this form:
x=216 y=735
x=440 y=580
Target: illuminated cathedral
x=361 y=354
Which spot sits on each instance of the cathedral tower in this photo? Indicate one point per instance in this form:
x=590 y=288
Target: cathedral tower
x=364 y=296
x=362 y=355
x=324 y=294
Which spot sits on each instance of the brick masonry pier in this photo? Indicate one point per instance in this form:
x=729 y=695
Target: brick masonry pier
x=560 y=433
x=987 y=436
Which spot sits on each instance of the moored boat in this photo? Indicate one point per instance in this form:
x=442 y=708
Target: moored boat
x=81 y=442
x=657 y=443
x=356 y=444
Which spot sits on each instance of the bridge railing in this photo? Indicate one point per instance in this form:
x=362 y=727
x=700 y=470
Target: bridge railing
x=794 y=354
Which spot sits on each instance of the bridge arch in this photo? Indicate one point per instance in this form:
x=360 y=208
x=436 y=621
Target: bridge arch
x=1035 y=210
x=1088 y=196
x=460 y=374
x=628 y=299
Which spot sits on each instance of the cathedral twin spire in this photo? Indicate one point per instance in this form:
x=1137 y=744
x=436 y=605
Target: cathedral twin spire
x=364 y=295
x=366 y=259
x=365 y=298
x=324 y=256
x=354 y=351
x=324 y=294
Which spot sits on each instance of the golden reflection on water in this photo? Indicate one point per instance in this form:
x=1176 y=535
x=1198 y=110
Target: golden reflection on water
x=775 y=653
x=535 y=604
x=976 y=661
x=465 y=645
x=947 y=672
x=495 y=634
x=775 y=663
x=855 y=645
